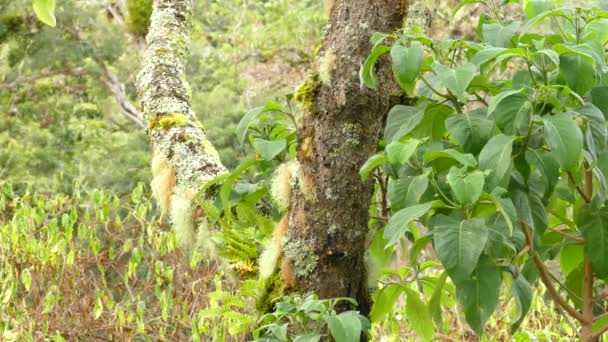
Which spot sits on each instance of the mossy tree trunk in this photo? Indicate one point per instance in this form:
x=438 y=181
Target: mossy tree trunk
x=172 y=126
x=325 y=246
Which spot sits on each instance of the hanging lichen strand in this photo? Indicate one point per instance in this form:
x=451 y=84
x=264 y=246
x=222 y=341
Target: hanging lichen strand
x=184 y=159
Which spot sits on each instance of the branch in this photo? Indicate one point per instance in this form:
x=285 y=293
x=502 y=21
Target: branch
x=546 y=279
x=174 y=131
x=125 y=107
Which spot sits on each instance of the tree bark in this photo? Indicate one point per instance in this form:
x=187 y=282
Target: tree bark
x=325 y=247
x=165 y=96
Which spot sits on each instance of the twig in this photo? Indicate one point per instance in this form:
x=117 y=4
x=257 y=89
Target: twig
x=545 y=278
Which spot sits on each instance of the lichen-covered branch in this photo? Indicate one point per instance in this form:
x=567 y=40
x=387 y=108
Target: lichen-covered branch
x=184 y=160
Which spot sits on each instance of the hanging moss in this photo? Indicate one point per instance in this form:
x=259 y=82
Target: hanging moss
x=139 y=16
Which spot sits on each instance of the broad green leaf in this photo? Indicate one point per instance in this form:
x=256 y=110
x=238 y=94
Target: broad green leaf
x=400 y=153
x=367 y=74
x=478 y=294
x=466 y=186
x=459 y=244
x=471 y=130
x=522 y=293
x=599 y=98
x=498 y=35
x=503 y=96
x=513 y=114
x=536 y=7
x=407 y=63
x=546 y=164
x=505 y=207
x=398 y=117
x=545 y=56
x=26 y=279
x=45 y=11
x=457 y=80
x=578 y=72
x=372 y=163
x=593 y=223
x=496 y=157
x=431 y=124
x=416 y=189
x=252 y=115
x=397 y=225
x=419 y=316
x=407 y=191
x=345 y=327
x=269 y=149
x=384 y=301
x=486 y=55
x=596 y=125
x=564 y=139
x=467 y=159
x=571 y=257
x=312 y=337
x=435 y=301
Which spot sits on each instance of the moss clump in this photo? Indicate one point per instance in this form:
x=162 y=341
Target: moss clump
x=273 y=289
x=308 y=90
x=302 y=256
x=139 y=16
x=173 y=120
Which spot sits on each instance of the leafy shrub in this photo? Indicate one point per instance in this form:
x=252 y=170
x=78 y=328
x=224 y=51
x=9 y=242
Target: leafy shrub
x=499 y=164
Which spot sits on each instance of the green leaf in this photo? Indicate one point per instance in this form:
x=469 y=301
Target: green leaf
x=400 y=153
x=578 y=72
x=599 y=97
x=479 y=294
x=459 y=244
x=345 y=327
x=45 y=11
x=498 y=35
x=372 y=163
x=406 y=192
x=457 y=80
x=252 y=115
x=367 y=73
x=486 y=55
x=269 y=148
x=522 y=293
x=511 y=112
x=416 y=189
x=407 y=63
x=431 y=124
x=312 y=337
x=397 y=225
x=593 y=223
x=419 y=316
x=401 y=116
x=564 y=139
x=596 y=124
x=466 y=186
x=467 y=159
x=503 y=96
x=435 y=301
x=471 y=130
x=546 y=164
x=384 y=301
x=496 y=157
x=535 y=7
x=571 y=257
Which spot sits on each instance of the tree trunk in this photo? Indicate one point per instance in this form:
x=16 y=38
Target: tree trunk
x=184 y=160
x=325 y=247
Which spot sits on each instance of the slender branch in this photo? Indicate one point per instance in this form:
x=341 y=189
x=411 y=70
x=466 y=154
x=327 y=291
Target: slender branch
x=567 y=235
x=578 y=189
x=546 y=279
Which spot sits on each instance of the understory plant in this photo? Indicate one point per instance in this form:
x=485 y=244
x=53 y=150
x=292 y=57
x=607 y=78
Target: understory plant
x=499 y=162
